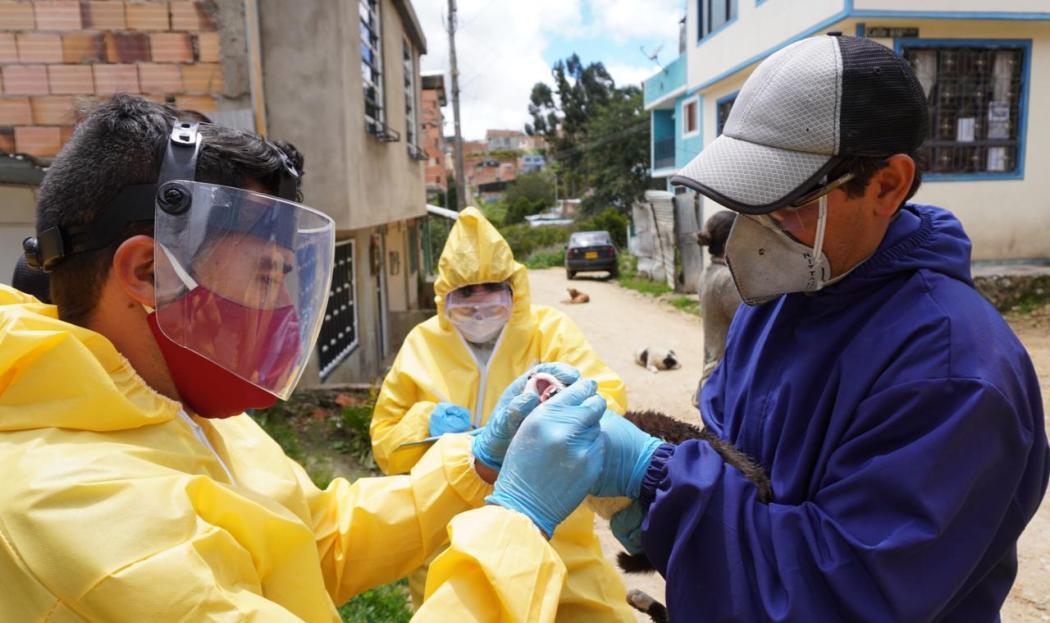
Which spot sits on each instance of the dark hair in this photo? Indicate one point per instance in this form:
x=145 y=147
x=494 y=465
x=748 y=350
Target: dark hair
x=716 y=231
x=121 y=143
x=865 y=167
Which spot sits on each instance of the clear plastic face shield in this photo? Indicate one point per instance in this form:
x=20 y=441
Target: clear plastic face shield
x=242 y=279
x=479 y=312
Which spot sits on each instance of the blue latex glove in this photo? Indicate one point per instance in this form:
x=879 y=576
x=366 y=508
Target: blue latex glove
x=555 y=457
x=491 y=444
x=627 y=527
x=628 y=451
x=449 y=418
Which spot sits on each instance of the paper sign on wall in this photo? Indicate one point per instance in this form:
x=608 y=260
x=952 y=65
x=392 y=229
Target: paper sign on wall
x=998 y=120
x=965 y=129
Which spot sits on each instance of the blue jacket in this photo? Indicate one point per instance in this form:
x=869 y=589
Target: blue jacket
x=900 y=421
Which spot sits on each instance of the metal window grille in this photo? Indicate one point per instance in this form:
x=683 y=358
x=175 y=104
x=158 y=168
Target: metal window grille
x=371 y=64
x=410 y=95
x=713 y=14
x=339 y=330
x=722 y=113
x=974 y=94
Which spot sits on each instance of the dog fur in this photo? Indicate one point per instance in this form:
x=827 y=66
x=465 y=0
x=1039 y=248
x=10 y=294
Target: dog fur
x=576 y=297
x=657 y=359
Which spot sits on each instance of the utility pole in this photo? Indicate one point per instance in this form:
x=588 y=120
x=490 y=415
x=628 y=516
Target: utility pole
x=461 y=194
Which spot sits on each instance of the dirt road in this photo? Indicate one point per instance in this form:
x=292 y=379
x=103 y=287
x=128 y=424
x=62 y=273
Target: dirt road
x=617 y=322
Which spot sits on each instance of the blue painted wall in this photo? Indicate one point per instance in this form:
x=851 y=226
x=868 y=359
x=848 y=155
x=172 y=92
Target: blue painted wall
x=663 y=82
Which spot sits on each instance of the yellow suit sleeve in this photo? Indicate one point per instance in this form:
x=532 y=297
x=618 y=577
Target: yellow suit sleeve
x=497 y=568
x=399 y=418
x=377 y=530
x=563 y=341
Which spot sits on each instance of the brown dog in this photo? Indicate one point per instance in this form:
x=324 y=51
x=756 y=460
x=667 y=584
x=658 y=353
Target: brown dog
x=576 y=297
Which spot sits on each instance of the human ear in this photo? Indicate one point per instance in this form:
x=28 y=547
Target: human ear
x=133 y=269
x=890 y=184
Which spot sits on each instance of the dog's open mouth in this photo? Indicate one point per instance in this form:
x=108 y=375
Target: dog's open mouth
x=544 y=385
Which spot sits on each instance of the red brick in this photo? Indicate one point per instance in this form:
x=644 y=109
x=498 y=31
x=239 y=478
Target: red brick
x=171 y=47
x=8 y=49
x=71 y=79
x=7 y=140
x=146 y=15
x=191 y=16
x=40 y=142
x=57 y=14
x=200 y=103
x=208 y=47
x=158 y=79
x=65 y=133
x=17 y=16
x=103 y=15
x=15 y=111
x=25 y=80
x=38 y=47
x=126 y=47
x=110 y=79
x=83 y=47
x=202 y=78
x=52 y=109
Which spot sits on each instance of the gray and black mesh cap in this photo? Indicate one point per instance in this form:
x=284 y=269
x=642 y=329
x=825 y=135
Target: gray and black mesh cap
x=802 y=110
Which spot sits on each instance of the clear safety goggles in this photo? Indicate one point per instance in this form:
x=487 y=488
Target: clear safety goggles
x=242 y=278
x=802 y=212
x=483 y=305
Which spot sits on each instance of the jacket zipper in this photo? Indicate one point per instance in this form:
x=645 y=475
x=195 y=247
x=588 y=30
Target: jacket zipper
x=198 y=432
x=483 y=369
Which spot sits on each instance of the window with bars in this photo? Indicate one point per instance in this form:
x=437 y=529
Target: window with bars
x=722 y=110
x=411 y=120
x=339 y=330
x=712 y=15
x=371 y=64
x=974 y=93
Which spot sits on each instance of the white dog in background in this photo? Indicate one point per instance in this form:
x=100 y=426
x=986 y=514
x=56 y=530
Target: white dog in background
x=656 y=359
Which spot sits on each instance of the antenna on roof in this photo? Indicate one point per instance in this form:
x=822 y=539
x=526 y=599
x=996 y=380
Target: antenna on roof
x=655 y=56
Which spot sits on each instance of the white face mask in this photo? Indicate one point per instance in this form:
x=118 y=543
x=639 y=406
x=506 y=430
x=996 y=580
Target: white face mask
x=479 y=330
x=766 y=262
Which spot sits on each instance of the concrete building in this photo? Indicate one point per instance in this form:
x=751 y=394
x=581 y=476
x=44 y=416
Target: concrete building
x=350 y=101
x=432 y=122
x=985 y=66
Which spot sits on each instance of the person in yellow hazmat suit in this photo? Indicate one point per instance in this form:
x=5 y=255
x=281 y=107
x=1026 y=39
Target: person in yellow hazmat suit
x=187 y=284
x=452 y=368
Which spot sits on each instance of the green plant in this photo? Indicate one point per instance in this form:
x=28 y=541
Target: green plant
x=610 y=220
x=383 y=604
x=689 y=304
x=524 y=239
x=276 y=421
x=547 y=257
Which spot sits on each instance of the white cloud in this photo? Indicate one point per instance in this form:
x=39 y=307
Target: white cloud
x=500 y=46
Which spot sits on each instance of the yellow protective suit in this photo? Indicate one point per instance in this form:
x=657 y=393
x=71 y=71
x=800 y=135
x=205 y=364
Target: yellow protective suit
x=117 y=506
x=435 y=364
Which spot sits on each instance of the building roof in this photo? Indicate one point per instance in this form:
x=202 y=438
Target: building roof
x=435 y=81
x=490 y=134
x=20 y=170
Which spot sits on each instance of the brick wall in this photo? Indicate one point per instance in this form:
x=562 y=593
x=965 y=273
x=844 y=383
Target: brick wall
x=58 y=55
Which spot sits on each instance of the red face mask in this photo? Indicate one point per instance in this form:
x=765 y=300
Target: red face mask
x=219 y=352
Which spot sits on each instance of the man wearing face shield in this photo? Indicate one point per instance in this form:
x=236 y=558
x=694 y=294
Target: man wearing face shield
x=189 y=285
x=452 y=369
x=896 y=414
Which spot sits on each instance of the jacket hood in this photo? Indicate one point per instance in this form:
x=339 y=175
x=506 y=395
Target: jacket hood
x=57 y=375
x=922 y=237
x=476 y=253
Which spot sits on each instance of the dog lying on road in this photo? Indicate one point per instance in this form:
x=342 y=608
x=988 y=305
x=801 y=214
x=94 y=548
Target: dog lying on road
x=656 y=359
x=576 y=297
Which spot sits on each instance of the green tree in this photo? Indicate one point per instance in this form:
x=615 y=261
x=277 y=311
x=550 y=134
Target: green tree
x=615 y=157
x=560 y=114
x=530 y=193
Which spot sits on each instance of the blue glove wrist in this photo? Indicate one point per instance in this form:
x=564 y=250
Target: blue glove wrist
x=634 y=485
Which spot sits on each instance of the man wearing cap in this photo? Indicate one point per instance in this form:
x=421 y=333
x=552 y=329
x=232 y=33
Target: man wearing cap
x=897 y=415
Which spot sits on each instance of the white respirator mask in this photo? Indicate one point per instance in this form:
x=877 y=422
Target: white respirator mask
x=479 y=318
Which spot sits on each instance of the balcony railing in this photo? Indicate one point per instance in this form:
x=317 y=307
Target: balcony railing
x=663 y=153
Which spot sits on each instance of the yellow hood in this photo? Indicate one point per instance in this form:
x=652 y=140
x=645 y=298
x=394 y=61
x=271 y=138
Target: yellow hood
x=476 y=253
x=57 y=375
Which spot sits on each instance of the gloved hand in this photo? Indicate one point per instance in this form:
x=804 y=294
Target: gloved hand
x=490 y=445
x=628 y=451
x=627 y=527
x=449 y=418
x=555 y=457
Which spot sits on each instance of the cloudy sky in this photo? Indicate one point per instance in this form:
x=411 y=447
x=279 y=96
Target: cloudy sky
x=506 y=46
